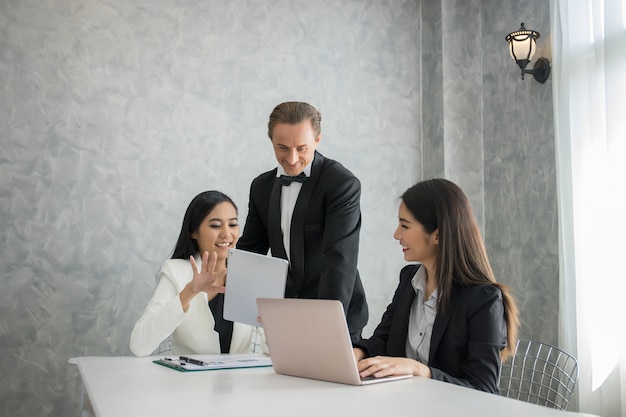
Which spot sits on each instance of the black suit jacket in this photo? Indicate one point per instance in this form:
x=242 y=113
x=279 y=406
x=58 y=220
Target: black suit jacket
x=467 y=336
x=324 y=236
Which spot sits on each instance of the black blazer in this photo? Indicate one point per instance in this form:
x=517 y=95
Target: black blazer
x=324 y=236
x=467 y=336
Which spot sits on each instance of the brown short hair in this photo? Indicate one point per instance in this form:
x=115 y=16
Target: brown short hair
x=294 y=112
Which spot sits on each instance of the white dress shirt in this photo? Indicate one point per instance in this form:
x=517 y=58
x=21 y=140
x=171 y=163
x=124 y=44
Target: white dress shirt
x=421 y=319
x=288 y=197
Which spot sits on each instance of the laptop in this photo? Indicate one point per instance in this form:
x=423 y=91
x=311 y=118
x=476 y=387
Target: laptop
x=250 y=276
x=310 y=339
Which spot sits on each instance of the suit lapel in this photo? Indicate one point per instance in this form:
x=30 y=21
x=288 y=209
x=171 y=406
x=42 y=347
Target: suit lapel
x=273 y=222
x=401 y=324
x=296 y=238
x=441 y=323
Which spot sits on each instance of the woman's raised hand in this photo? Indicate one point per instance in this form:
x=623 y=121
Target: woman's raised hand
x=207 y=279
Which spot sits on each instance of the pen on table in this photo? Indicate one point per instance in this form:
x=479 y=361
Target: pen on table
x=174 y=363
x=193 y=361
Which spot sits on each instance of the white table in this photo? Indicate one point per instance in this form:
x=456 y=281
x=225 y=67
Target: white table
x=128 y=386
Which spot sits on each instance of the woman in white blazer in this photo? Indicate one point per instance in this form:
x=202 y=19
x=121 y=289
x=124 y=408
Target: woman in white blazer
x=188 y=301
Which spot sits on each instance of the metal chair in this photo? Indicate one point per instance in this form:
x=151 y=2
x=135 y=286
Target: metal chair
x=256 y=344
x=165 y=347
x=540 y=374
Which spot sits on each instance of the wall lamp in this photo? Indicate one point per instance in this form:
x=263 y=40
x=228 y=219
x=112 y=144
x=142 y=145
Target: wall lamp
x=522 y=48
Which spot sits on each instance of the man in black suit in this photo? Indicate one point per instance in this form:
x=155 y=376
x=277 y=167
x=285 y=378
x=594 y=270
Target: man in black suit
x=307 y=210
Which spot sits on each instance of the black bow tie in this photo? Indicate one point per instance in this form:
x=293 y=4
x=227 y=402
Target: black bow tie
x=286 y=180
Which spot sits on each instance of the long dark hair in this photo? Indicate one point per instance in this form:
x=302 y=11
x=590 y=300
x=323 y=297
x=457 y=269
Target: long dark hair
x=462 y=258
x=198 y=209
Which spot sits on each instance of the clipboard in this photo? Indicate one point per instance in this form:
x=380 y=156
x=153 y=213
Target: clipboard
x=210 y=363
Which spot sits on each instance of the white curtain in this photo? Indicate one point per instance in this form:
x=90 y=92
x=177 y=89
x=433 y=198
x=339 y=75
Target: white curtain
x=589 y=86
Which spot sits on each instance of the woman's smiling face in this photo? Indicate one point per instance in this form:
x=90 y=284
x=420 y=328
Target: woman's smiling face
x=219 y=231
x=417 y=244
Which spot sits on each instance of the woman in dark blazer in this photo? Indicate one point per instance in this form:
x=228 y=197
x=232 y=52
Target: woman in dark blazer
x=449 y=319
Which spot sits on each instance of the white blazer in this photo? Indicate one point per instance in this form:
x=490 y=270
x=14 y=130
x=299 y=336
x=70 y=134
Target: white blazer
x=192 y=332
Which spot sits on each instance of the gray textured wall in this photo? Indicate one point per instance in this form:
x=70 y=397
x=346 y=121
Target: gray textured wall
x=113 y=115
x=521 y=217
x=493 y=133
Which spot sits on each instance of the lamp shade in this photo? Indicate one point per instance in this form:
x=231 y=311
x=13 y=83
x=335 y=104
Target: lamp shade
x=522 y=45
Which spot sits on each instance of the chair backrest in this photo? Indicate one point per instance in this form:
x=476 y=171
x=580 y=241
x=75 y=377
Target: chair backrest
x=165 y=347
x=540 y=374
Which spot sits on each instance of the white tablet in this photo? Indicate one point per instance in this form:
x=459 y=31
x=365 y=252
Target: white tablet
x=251 y=276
